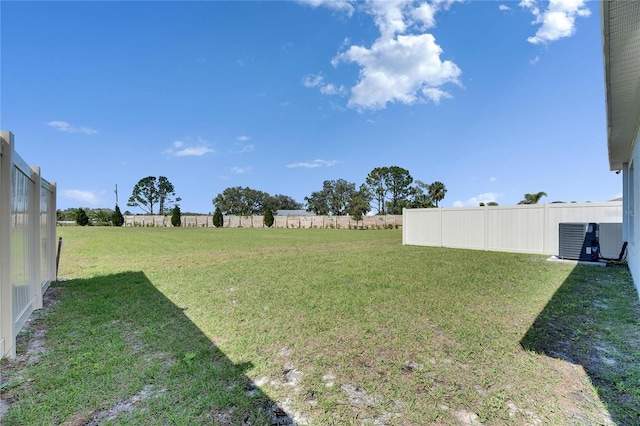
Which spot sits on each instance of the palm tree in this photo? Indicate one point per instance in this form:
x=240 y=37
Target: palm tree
x=533 y=198
x=102 y=216
x=437 y=191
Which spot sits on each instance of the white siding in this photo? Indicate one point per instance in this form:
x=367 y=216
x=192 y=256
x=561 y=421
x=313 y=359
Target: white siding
x=632 y=212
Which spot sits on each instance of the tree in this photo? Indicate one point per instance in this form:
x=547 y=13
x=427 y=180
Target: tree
x=359 y=204
x=176 y=220
x=390 y=187
x=102 y=216
x=318 y=201
x=533 y=198
x=67 y=214
x=165 y=193
x=437 y=191
x=149 y=192
x=218 y=220
x=335 y=198
x=398 y=181
x=268 y=218
x=82 y=218
x=340 y=196
x=117 y=218
x=420 y=197
x=242 y=201
x=284 y=202
x=375 y=183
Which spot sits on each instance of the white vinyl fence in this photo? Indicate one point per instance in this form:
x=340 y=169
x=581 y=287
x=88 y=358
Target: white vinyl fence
x=322 y=222
x=27 y=241
x=519 y=229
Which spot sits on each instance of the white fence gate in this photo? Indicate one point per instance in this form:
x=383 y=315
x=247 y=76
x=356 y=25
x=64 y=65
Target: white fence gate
x=27 y=241
x=519 y=229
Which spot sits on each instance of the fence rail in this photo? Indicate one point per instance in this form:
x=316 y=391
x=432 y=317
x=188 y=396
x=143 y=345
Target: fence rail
x=27 y=241
x=520 y=229
x=322 y=222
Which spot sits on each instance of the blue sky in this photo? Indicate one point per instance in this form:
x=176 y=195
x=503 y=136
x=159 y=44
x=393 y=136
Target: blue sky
x=494 y=99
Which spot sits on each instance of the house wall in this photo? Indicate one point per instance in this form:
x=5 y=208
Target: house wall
x=631 y=206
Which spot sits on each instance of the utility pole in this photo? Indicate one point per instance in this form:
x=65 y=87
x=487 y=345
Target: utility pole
x=116 y=194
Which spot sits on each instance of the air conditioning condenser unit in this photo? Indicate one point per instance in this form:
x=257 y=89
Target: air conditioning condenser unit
x=579 y=241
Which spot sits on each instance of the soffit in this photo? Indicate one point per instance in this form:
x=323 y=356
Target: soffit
x=621 y=44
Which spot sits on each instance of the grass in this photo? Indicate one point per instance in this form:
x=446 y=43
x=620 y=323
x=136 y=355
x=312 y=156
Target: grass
x=190 y=326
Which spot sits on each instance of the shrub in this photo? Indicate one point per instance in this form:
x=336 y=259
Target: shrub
x=268 y=218
x=175 y=217
x=82 y=218
x=117 y=218
x=218 y=220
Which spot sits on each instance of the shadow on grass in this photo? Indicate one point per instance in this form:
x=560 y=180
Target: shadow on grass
x=117 y=349
x=593 y=321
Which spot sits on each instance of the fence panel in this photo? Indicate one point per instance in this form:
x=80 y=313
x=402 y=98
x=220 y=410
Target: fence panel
x=422 y=227
x=47 y=234
x=21 y=250
x=515 y=229
x=521 y=228
x=27 y=241
x=610 y=212
x=463 y=228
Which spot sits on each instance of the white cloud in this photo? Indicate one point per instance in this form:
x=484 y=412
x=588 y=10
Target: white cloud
x=242 y=145
x=404 y=69
x=85 y=197
x=246 y=148
x=403 y=65
x=331 y=89
x=487 y=197
x=241 y=170
x=389 y=16
x=339 y=5
x=317 y=80
x=181 y=149
x=493 y=179
x=534 y=60
x=557 y=21
x=193 y=151
x=504 y=7
x=312 y=165
x=312 y=80
x=426 y=14
x=63 y=126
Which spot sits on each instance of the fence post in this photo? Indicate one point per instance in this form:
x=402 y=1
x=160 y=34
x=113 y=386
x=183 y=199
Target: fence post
x=52 y=217
x=485 y=227
x=7 y=345
x=34 y=233
x=546 y=228
x=441 y=225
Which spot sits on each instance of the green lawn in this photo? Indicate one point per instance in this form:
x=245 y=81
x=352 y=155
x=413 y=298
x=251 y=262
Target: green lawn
x=217 y=326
